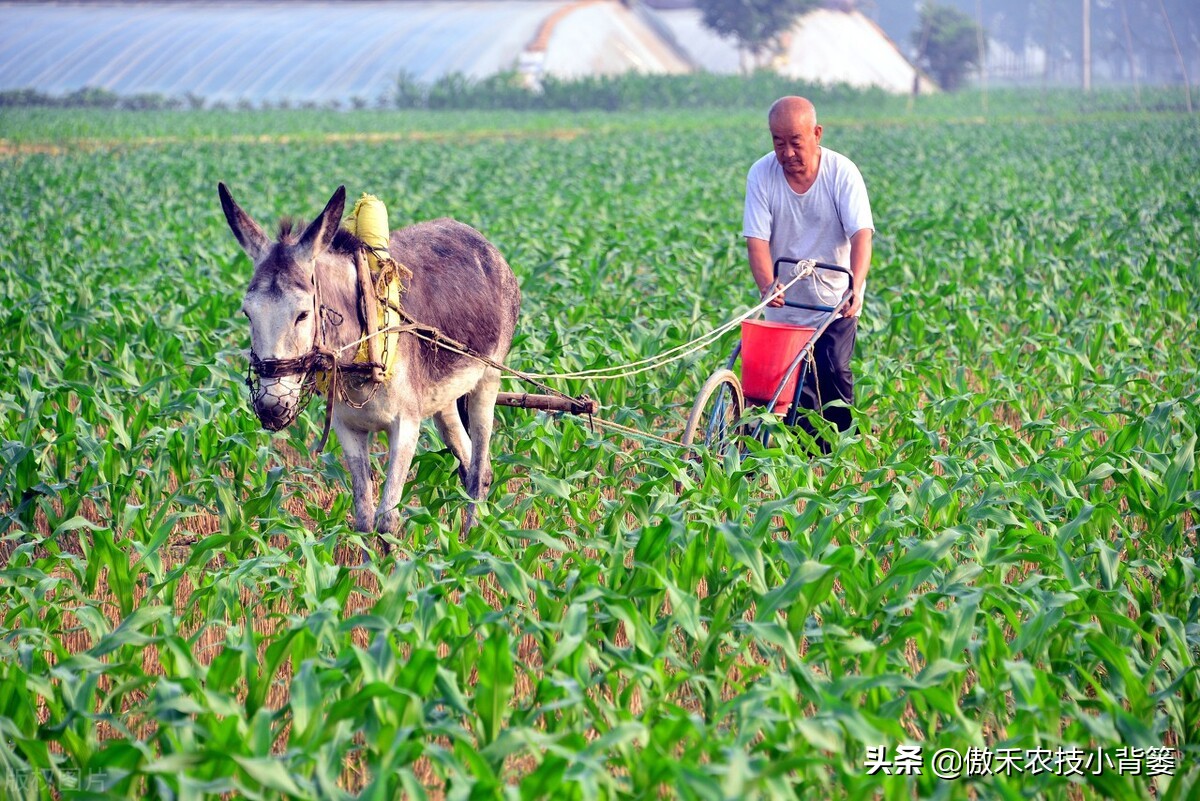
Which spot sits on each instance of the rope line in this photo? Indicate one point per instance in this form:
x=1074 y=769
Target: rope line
x=803 y=270
x=598 y=421
x=633 y=432
x=391 y=329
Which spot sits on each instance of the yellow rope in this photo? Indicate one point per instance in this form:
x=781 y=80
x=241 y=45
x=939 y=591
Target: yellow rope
x=803 y=270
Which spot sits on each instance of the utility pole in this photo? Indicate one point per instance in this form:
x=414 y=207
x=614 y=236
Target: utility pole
x=1087 y=45
x=979 y=43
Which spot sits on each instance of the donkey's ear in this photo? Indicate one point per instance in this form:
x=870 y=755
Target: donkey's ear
x=318 y=236
x=249 y=235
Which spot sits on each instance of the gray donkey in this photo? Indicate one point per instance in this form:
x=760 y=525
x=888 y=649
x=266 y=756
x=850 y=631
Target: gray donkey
x=305 y=291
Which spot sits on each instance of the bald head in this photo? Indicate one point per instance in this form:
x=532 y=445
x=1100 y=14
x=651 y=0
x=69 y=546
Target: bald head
x=797 y=138
x=793 y=111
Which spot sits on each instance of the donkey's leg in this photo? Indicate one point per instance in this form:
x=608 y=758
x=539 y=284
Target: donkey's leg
x=481 y=406
x=356 y=449
x=402 y=444
x=454 y=434
x=464 y=413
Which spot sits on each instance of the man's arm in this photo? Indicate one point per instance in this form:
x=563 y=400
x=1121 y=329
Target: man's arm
x=860 y=265
x=762 y=269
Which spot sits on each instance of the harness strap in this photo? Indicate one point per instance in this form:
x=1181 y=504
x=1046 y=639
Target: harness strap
x=368 y=313
x=329 y=396
x=371 y=297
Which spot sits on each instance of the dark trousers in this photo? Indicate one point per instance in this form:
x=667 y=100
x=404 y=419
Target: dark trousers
x=832 y=379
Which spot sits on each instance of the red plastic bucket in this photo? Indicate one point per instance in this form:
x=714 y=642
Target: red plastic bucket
x=767 y=351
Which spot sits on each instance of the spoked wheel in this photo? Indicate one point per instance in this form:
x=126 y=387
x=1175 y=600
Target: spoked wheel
x=716 y=413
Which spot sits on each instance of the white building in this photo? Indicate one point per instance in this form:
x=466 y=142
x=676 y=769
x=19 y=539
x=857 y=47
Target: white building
x=824 y=46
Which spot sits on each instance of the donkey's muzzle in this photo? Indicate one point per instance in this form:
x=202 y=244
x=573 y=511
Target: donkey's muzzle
x=280 y=388
x=276 y=418
x=278 y=401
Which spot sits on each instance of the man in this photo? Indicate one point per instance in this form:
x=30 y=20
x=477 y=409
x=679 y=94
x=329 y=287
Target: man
x=805 y=201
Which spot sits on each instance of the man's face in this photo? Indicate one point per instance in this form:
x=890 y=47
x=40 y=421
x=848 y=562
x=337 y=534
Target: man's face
x=797 y=145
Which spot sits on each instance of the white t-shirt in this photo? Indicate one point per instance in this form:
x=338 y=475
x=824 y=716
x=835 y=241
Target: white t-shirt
x=815 y=225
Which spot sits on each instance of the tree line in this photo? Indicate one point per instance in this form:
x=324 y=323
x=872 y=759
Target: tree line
x=1127 y=41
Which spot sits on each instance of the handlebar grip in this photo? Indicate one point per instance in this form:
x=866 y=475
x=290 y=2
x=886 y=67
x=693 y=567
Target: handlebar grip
x=820 y=265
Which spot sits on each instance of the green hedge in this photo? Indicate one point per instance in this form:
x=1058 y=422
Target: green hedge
x=633 y=92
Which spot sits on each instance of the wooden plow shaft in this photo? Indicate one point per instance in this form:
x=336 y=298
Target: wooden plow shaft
x=549 y=403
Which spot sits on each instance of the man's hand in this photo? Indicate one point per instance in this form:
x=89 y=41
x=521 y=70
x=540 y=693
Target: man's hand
x=759 y=251
x=860 y=265
x=853 y=305
x=776 y=293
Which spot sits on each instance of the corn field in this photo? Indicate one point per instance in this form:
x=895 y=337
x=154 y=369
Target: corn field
x=1002 y=555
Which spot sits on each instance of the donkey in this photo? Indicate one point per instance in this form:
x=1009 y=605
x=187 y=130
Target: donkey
x=460 y=284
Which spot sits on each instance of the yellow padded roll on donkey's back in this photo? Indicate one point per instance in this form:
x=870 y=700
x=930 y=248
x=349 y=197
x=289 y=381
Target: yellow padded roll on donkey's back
x=368 y=220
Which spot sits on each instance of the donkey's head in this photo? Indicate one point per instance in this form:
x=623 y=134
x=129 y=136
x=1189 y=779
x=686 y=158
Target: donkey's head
x=282 y=304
